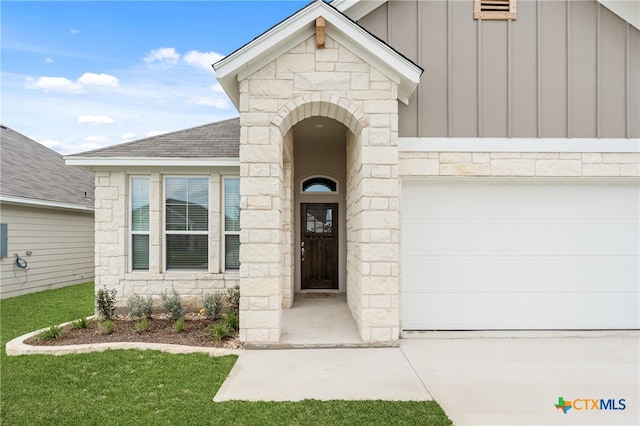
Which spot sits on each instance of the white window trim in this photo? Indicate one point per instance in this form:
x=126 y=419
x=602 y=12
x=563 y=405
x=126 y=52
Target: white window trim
x=130 y=224
x=608 y=145
x=165 y=269
x=223 y=231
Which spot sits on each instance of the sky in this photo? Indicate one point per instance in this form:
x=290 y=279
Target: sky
x=82 y=75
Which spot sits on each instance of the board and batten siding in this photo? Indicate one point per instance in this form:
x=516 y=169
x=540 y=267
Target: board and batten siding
x=61 y=243
x=562 y=69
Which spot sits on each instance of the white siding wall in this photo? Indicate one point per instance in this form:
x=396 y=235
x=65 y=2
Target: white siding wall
x=62 y=246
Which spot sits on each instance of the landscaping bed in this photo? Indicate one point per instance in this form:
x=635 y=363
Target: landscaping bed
x=197 y=331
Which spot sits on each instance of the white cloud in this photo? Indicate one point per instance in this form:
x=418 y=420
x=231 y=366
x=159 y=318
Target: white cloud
x=74 y=31
x=51 y=144
x=153 y=133
x=92 y=79
x=212 y=102
x=54 y=84
x=48 y=61
x=129 y=136
x=202 y=59
x=95 y=119
x=88 y=146
x=63 y=84
x=164 y=56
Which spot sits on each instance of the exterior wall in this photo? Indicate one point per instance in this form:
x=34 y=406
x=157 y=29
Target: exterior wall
x=564 y=68
x=517 y=164
x=112 y=243
x=334 y=83
x=61 y=242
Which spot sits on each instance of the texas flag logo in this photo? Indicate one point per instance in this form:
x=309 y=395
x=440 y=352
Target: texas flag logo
x=563 y=405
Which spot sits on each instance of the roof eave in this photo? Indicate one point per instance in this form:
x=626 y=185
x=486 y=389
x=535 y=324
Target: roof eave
x=356 y=9
x=44 y=203
x=90 y=163
x=293 y=30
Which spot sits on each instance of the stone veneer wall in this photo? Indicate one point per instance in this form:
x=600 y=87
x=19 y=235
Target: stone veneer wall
x=112 y=245
x=330 y=82
x=516 y=164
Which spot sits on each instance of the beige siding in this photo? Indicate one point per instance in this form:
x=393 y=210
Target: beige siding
x=61 y=242
x=563 y=68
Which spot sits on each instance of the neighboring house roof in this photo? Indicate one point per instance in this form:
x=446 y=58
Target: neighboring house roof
x=300 y=26
x=219 y=142
x=31 y=173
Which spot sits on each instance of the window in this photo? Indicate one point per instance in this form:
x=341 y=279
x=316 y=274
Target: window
x=3 y=240
x=319 y=185
x=187 y=223
x=494 y=9
x=231 y=223
x=139 y=223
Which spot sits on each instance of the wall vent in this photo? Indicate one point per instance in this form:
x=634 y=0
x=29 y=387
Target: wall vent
x=494 y=9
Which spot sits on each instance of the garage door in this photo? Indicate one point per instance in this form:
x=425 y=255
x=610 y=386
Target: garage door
x=513 y=254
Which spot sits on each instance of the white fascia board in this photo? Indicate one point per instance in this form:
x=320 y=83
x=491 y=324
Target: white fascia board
x=44 y=203
x=300 y=26
x=150 y=162
x=629 y=10
x=356 y=9
x=518 y=145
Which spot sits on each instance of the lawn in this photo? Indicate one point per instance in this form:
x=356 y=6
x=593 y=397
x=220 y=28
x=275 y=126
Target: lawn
x=148 y=387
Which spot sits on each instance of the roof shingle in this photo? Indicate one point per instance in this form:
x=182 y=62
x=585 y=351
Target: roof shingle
x=32 y=171
x=214 y=140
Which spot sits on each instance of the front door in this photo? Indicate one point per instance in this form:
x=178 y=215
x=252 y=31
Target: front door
x=319 y=246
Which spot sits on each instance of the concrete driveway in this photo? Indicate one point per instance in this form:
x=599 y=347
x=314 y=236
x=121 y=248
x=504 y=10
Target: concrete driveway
x=517 y=381
x=477 y=378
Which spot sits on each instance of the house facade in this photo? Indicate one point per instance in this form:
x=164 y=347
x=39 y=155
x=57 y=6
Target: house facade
x=447 y=166
x=46 y=218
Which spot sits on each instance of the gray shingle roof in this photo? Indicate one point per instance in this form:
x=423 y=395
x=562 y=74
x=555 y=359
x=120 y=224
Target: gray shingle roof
x=34 y=172
x=214 y=140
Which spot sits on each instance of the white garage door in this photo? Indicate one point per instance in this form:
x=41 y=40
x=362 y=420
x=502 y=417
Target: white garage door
x=492 y=254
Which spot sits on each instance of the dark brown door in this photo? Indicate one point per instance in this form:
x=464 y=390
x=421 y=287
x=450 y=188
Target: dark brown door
x=319 y=246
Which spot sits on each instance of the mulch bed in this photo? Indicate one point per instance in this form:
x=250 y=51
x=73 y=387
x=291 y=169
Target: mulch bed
x=194 y=333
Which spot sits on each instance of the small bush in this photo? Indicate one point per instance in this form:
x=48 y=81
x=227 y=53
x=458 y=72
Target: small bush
x=232 y=321
x=142 y=325
x=173 y=304
x=213 y=306
x=107 y=326
x=81 y=323
x=219 y=331
x=52 y=333
x=140 y=306
x=233 y=299
x=179 y=324
x=106 y=302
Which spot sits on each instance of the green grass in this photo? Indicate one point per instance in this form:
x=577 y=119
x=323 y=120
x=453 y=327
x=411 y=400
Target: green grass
x=148 y=387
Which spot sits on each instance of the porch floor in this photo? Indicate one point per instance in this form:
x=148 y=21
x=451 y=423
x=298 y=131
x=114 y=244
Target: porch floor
x=319 y=320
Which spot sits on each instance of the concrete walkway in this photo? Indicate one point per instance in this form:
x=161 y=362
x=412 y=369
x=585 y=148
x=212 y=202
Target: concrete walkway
x=478 y=379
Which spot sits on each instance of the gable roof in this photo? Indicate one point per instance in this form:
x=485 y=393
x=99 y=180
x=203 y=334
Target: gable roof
x=300 y=26
x=219 y=142
x=31 y=173
x=356 y=9
x=629 y=10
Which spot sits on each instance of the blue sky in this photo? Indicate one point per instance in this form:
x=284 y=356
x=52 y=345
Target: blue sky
x=83 y=75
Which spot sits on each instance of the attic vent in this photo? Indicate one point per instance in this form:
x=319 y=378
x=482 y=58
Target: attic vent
x=494 y=9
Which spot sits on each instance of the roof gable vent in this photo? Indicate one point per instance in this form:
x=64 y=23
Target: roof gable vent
x=494 y=9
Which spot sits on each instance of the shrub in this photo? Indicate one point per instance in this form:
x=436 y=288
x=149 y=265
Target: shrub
x=107 y=326
x=179 y=324
x=81 y=323
x=52 y=333
x=232 y=321
x=140 y=306
x=106 y=302
x=173 y=304
x=143 y=324
x=219 y=331
x=213 y=306
x=233 y=298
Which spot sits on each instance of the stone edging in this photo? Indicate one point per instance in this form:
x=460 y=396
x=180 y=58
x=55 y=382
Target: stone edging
x=18 y=347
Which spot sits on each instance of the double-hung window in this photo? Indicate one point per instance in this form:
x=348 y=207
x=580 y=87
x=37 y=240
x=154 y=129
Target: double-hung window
x=139 y=223
x=186 y=223
x=231 y=223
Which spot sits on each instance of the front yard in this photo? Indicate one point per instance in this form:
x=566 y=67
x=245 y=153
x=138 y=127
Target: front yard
x=148 y=387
